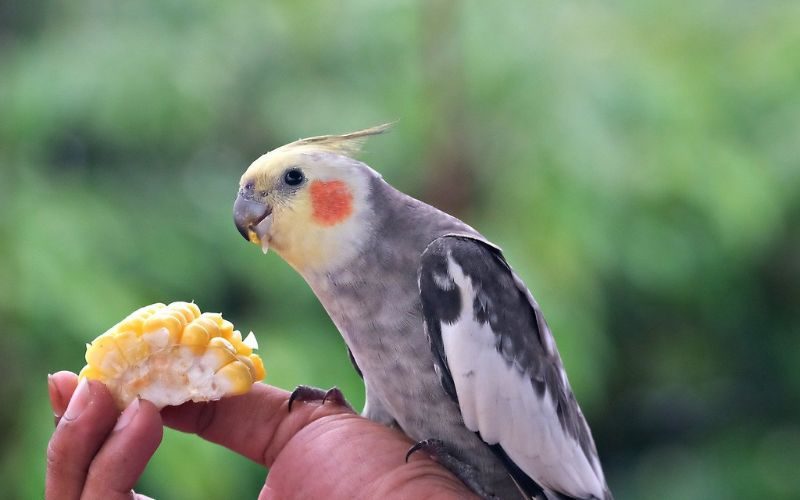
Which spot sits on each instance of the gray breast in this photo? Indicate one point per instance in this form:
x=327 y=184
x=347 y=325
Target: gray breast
x=374 y=302
x=385 y=332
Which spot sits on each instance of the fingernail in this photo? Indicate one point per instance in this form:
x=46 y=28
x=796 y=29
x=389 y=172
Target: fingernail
x=55 y=397
x=80 y=400
x=128 y=415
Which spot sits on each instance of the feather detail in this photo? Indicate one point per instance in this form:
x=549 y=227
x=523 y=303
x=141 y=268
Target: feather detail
x=346 y=144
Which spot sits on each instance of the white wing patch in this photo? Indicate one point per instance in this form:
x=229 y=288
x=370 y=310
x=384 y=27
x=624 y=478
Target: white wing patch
x=500 y=402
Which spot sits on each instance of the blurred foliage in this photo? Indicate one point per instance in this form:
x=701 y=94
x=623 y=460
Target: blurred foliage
x=638 y=161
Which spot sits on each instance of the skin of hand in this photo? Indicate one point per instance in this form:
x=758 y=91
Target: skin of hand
x=314 y=451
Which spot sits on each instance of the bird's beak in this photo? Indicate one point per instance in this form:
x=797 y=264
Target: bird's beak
x=253 y=220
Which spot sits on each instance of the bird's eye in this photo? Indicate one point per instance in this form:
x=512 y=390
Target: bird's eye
x=293 y=177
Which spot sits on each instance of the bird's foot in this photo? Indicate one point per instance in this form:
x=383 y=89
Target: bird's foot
x=304 y=393
x=439 y=452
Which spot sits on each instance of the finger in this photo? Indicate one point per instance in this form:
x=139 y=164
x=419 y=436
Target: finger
x=123 y=457
x=88 y=419
x=257 y=424
x=60 y=387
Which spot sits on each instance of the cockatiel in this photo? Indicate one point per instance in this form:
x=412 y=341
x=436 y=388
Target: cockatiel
x=452 y=347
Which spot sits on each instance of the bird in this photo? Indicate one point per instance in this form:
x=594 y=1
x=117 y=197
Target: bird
x=452 y=347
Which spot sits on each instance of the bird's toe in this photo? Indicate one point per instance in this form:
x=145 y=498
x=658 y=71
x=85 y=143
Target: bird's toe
x=305 y=393
x=440 y=452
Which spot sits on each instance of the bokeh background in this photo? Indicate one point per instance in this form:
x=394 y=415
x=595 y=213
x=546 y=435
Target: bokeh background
x=637 y=160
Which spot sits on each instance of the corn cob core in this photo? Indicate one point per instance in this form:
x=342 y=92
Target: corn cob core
x=173 y=354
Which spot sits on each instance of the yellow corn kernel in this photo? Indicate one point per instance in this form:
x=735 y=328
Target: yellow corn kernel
x=135 y=320
x=131 y=346
x=226 y=329
x=189 y=310
x=105 y=357
x=241 y=347
x=195 y=334
x=131 y=324
x=90 y=373
x=223 y=343
x=194 y=308
x=177 y=313
x=216 y=357
x=215 y=317
x=236 y=377
x=170 y=322
x=225 y=326
x=209 y=324
x=173 y=354
x=258 y=364
x=248 y=363
x=146 y=311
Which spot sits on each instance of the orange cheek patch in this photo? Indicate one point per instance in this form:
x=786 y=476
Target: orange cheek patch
x=331 y=202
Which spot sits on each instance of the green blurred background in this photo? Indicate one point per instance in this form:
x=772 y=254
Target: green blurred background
x=637 y=160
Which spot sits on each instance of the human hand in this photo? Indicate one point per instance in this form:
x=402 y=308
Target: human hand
x=314 y=451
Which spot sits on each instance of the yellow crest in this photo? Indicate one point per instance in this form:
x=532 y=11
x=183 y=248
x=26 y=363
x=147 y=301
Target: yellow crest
x=346 y=144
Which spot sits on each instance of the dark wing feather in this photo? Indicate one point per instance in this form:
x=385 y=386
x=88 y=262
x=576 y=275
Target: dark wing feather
x=497 y=359
x=353 y=362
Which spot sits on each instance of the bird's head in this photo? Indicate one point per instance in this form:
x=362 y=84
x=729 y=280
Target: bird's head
x=308 y=200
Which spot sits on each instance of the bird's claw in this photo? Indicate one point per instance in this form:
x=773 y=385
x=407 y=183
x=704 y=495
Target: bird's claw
x=305 y=393
x=439 y=452
x=431 y=446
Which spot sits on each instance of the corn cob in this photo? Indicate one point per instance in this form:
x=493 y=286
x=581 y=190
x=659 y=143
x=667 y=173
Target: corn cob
x=173 y=354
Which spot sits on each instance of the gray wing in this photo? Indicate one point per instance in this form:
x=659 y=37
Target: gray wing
x=497 y=358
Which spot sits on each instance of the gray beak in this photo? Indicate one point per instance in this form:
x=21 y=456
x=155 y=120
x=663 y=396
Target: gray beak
x=247 y=214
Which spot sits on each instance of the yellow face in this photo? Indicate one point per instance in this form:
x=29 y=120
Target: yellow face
x=308 y=204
